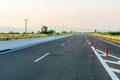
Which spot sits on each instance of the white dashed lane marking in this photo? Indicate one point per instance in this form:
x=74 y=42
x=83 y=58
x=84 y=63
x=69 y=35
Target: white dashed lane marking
x=62 y=44
x=41 y=57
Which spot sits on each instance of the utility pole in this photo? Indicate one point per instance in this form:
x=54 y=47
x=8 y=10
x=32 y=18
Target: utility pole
x=26 y=25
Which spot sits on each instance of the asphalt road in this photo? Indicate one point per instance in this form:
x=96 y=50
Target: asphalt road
x=69 y=58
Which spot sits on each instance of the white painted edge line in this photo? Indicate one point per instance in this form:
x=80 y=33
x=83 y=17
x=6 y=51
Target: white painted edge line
x=102 y=54
x=113 y=62
x=41 y=57
x=107 y=68
x=115 y=70
x=119 y=61
x=108 y=42
x=62 y=44
x=100 y=51
x=114 y=57
x=109 y=54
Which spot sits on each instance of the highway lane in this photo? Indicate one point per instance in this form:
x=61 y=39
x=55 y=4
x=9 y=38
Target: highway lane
x=100 y=44
x=112 y=62
x=69 y=58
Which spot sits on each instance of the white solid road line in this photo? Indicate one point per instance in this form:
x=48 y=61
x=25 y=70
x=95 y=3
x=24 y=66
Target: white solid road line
x=100 y=51
x=41 y=57
x=114 y=57
x=109 y=54
x=102 y=54
x=62 y=44
x=119 y=61
x=107 y=68
x=115 y=70
x=109 y=42
x=113 y=62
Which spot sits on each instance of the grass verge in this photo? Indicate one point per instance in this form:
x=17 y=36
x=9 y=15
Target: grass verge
x=107 y=38
x=7 y=37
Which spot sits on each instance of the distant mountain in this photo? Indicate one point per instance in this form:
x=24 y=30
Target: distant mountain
x=7 y=29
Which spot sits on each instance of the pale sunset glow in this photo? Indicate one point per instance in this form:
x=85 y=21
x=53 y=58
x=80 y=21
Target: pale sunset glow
x=76 y=15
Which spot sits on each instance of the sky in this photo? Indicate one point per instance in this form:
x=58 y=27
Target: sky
x=75 y=15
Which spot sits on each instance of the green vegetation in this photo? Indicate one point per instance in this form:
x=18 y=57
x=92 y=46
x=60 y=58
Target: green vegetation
x=110 y=36
x=44 y=30
x=43 y=33
x=114 y=33
x=14 y=36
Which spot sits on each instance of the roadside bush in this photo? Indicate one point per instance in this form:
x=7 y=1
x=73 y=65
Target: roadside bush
x=114 y=33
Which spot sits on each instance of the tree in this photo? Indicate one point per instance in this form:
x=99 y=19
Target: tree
x=51 y=32
x=64 y=32
x=44 y=29
x=32 y=32
x=11 y=32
